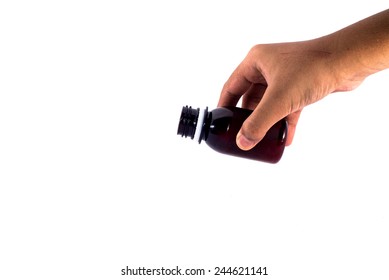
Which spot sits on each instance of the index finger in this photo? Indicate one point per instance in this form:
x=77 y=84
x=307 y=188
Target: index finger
x=239 y=82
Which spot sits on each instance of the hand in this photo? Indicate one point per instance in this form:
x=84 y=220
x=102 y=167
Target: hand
x=279 y=80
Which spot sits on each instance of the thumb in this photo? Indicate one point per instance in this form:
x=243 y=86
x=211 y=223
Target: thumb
x=273 y=107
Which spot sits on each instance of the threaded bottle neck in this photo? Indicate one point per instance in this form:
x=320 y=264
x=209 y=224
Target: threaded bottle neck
x=188 y=122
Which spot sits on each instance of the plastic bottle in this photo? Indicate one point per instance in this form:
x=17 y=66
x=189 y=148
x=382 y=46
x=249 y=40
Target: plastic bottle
x=219 y=127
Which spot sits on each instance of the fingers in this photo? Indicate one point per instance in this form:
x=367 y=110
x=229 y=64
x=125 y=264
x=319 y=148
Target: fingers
x=240 y=82
x=253 y=96
x=233 y=89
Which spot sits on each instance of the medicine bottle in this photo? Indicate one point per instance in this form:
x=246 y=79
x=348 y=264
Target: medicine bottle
x=219 y=127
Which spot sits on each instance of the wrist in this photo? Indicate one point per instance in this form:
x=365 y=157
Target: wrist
x=346 y=64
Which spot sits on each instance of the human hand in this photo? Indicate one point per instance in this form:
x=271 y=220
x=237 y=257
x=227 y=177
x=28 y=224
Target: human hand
x=279 y=80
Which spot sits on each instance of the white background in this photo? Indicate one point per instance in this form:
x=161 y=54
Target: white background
x=93 y=177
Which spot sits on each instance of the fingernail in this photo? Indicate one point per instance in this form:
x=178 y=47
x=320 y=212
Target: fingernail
x=244 y=143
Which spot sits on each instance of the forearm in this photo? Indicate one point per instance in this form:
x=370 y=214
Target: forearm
x=362 y=48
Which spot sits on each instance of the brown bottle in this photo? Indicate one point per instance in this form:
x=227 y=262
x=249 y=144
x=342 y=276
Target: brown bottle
x=219 y=127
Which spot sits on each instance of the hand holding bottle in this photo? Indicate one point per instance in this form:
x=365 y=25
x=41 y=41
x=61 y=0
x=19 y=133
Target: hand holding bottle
x=279 y=80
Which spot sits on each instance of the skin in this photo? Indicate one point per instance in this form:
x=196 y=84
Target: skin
x=279 y=80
